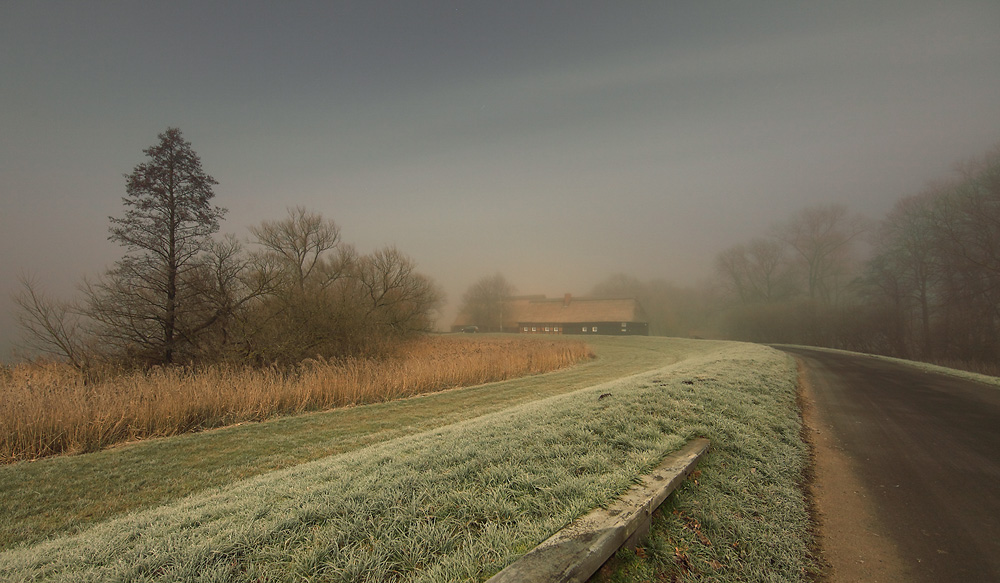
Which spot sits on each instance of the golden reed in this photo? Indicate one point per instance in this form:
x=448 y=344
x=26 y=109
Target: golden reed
x=49 y=409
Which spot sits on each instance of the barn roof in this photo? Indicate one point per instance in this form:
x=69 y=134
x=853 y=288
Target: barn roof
x=512 y=308
x=576 y=310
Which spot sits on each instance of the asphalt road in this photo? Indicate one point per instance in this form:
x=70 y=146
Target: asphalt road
x=927 y=448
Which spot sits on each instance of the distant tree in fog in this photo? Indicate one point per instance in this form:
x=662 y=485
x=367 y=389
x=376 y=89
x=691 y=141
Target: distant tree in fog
x=936 y=269
x=822 y=236
x=900 y=277
x=930 y=290
x=620 y=285
x=672 y=310
x=486 y=301
x=786 y=287
x=758 y=271
x=49 y=326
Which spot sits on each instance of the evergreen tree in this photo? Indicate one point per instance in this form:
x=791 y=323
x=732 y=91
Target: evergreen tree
x=151 y=303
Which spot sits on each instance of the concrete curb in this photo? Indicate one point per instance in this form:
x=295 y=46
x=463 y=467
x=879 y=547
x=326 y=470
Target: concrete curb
x=577 y=551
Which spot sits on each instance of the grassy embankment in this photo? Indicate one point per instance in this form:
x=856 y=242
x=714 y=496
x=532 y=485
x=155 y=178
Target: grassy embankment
x=456 y=502
x=66 y=493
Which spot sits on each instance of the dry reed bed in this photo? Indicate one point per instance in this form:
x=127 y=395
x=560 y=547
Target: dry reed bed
x=47 y=408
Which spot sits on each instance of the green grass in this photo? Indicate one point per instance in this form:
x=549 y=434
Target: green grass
x=742 y=516
x=64 y=494
x=459 y=498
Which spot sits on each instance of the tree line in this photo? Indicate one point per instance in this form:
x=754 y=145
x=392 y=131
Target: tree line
x=922 y=283
x=181 y=294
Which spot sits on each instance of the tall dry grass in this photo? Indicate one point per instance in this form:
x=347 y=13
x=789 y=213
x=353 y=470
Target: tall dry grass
x=50 y=408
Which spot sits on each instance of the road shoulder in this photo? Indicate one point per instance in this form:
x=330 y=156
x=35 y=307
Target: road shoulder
x=852 y=546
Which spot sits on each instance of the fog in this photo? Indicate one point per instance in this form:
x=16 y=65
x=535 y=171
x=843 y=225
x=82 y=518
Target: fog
x=556 y=146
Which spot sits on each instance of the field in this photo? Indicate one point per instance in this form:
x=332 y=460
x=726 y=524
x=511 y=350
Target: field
x=443 y=487
x=50 y=409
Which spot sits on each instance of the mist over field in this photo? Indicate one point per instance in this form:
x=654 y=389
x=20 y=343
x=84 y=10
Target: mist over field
x=554 y=145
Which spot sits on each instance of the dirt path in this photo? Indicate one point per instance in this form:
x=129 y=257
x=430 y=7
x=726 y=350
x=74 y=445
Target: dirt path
x=852 y=545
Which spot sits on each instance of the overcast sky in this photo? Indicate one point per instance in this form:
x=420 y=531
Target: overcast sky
x=555 y=142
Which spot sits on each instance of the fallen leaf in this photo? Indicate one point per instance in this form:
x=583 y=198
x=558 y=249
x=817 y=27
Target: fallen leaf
x=681 y=559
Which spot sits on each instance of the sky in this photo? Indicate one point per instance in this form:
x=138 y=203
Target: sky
x=554 y=142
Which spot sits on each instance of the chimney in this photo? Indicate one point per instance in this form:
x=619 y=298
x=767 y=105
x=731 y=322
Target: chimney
x=566 y=299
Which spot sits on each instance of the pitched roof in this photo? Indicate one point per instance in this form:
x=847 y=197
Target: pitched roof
x=512 y=307
x=581 y=310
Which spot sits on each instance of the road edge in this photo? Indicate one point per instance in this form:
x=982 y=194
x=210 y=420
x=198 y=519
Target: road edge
x=848 y=544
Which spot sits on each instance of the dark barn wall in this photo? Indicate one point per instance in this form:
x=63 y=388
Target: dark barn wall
x=588 y=328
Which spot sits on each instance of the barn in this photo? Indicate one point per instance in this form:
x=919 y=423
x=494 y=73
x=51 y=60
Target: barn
x=569 y=315
x=466 y=322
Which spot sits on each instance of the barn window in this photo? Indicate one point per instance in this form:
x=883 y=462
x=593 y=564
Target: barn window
x=525 y=329
x=548 y=329
x=533 y=329
x=594 y=329
x=584 y=328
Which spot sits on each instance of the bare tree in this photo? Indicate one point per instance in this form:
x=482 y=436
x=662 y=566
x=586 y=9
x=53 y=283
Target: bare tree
x=905 y=267
x=815 y=245
x=768 y=269
x=230 y=282
x=966 y=222
x=733 y=266
x=931 y=288
x=143 y=303
x=822 y=237
x=50 y=326
x=487 y=301
x=671 y=310
x=968 y=217
x=311 y=309
x=300 y=244
x=619 y=285
x=398 y=300
x=757 y=271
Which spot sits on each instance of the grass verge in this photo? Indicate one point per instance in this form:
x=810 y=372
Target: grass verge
x=743 y=515
x=461 y=501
